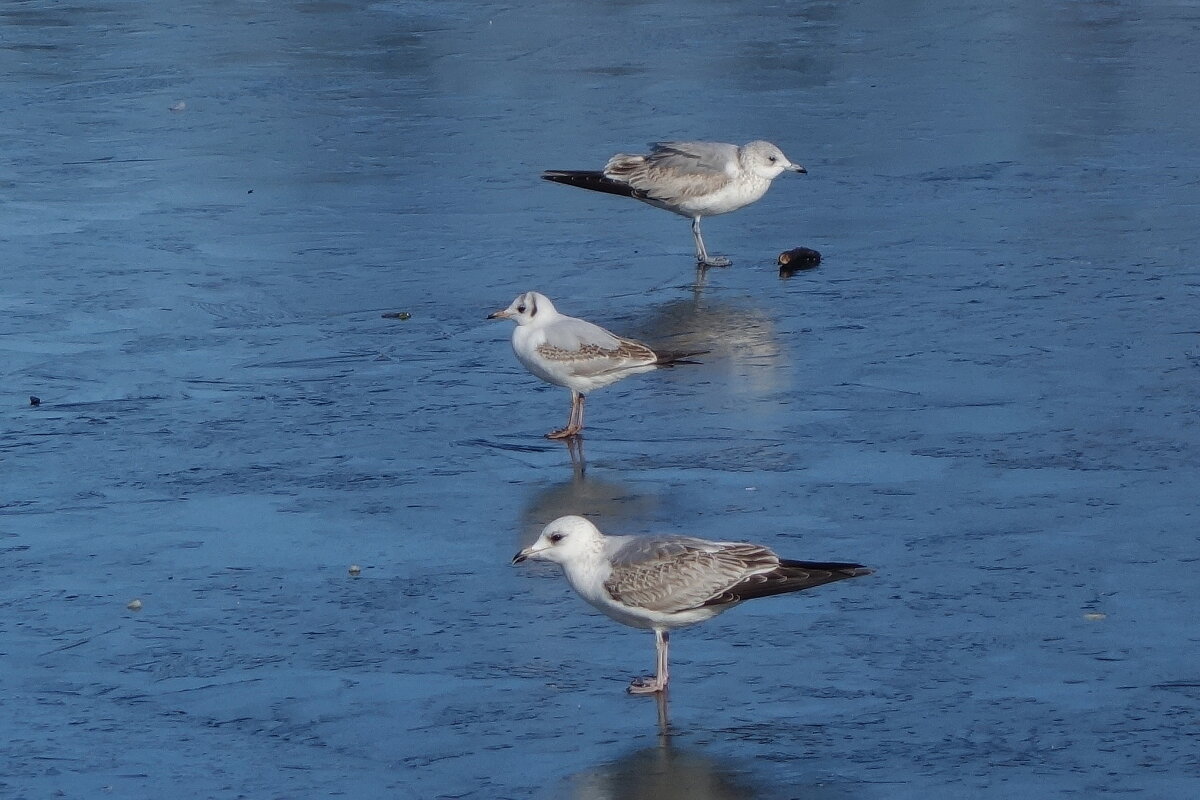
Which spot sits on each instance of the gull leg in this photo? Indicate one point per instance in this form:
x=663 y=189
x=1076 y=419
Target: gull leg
x=702 y=257
x=575 y=422
x=662 y=640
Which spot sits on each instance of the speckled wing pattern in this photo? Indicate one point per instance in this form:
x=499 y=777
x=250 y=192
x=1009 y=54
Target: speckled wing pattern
x=594 y=359
x=677 y=573
x=675 y=170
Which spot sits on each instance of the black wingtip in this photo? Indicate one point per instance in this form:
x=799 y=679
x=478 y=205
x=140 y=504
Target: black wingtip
x=841 y=567
x=790 y=576
x=588 y=179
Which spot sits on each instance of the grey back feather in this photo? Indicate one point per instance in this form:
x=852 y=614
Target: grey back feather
x=572 y=333
x=706 y=157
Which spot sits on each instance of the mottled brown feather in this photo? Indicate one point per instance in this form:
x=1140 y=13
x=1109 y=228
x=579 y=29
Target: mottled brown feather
x=625 y=355
x=673 y=574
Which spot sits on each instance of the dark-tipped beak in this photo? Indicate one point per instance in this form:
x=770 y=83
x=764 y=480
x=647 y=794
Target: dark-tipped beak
x=798 y=168
x=502 y=314
x=528 y=552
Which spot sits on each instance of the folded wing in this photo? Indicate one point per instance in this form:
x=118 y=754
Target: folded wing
x=677 y=573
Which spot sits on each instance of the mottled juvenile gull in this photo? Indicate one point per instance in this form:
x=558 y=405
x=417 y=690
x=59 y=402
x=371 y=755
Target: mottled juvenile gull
x=692 y=179
x=573 y=353
x=667 y=582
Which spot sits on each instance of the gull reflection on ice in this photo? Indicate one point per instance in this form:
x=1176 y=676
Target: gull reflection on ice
x=584 y=495
x=740 y=338
x=660 y=772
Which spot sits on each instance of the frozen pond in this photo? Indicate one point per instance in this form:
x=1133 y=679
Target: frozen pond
x=988 y=392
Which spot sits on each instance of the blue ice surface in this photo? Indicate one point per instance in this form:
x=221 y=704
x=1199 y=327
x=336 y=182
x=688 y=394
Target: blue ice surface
x=988 y=391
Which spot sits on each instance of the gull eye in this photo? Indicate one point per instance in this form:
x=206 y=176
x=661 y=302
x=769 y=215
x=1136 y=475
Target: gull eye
x=520 y=309
x=555 y=538
x=772 y=159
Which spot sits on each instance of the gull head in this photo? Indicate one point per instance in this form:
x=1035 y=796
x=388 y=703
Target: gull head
x=766 y=160
x=529 y=307
x=565 y=539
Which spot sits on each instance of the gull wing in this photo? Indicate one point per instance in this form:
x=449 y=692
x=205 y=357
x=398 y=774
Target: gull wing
x=571 y=333
x=677 y=573
x=695 y=157
x=676 y=171
x=590 y=349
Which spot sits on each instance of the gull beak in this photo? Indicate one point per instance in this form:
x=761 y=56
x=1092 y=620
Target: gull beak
x=503 y=313
x=528 y=552
x=797 y=168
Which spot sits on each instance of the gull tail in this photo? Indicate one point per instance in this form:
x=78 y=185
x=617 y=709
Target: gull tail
x=584 y=179
x=669 y=358
x=790 y=576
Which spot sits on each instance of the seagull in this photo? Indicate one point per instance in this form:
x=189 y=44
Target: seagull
x=667 y=582
x=573 y=353
x=692 y=179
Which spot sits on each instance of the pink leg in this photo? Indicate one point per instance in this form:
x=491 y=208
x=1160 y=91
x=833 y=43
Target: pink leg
x=575 y=422
x=662 y=640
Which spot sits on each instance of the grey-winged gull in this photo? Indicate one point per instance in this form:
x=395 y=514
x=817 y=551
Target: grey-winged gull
x=576 y=354
x=692 y=179
x=667 y=582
